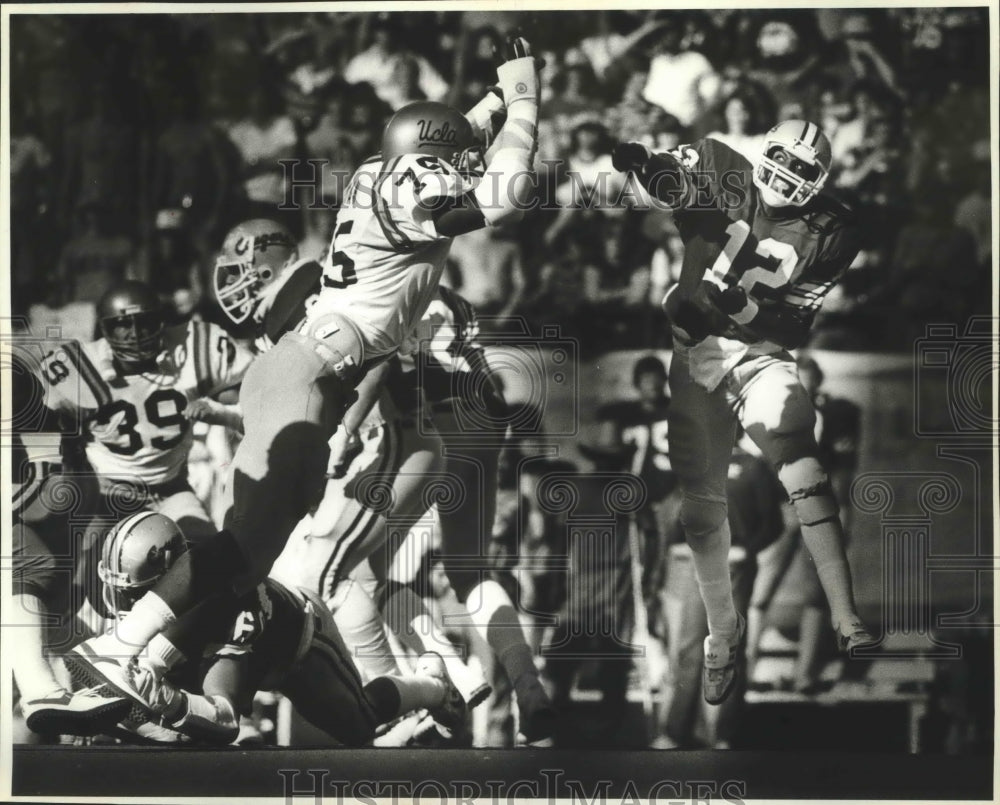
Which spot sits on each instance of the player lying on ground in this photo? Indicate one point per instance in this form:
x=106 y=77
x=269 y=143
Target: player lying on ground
x=763 y=247
x=283 y=639
x=393 y=233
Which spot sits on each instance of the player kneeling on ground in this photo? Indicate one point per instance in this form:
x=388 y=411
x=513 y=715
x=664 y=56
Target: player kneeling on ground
x=283 y=639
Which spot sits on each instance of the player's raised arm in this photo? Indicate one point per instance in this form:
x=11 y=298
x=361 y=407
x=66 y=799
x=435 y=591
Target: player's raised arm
x=504 y=192
x=665 y=176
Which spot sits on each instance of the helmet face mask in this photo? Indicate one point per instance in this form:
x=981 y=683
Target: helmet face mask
x=131 y=319
x=253 y=255
x=794 y=165
x=135 y=555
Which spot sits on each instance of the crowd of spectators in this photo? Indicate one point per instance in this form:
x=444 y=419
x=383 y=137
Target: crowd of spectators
x=138 y=140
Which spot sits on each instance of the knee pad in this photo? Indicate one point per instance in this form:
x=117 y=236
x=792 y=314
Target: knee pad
x=702 y=516
x=809 y=490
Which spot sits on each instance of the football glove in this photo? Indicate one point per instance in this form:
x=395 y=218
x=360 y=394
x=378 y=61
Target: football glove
x=629 y=157
x=518 y=75
x=730 y=300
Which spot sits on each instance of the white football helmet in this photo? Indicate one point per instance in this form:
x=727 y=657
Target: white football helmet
x=135 y=554
x=253 y=256
x=794 y=164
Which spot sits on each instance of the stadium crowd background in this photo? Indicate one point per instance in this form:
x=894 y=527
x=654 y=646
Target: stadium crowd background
x=138 y=140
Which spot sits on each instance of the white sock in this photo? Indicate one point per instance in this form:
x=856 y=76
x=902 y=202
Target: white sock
x=163 y=655
x=129 y=636
x=362 y=629
x=711 y=564
x=24 y=636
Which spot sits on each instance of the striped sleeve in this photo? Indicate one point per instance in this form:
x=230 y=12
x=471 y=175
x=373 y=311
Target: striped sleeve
x=85 y=368
x=226 y=360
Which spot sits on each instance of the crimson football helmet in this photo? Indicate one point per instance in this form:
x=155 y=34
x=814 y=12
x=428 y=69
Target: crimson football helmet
x=254 y=254
x=135 y=554
x=794 y=164
x=132 y=319
x=435 y=129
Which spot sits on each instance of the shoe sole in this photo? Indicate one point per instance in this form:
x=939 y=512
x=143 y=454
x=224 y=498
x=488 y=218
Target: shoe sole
x=84 y=674
x=96 y=721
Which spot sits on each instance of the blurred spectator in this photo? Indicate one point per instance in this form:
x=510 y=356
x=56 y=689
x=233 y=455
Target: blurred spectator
x=974 y=211
x=592 y=180
x=681 y=82
x=486 y=268
x=630 y=118
x=366 y=116
x=859 y=56
x=99 y=163
x=576 y=95
x=95 y=258
x=333 y=149
x=848 y=127
x=617 y=34
x=194 y=170
x=265 y=136
x=171 y=263
x=405 y=85
x=378 y=65
x=30 y=196
x=787 y=61
x=744 y=125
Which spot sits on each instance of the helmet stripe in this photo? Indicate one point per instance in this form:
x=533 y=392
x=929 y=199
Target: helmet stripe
x=814 y=131
x=124 y=527
x=805 y=131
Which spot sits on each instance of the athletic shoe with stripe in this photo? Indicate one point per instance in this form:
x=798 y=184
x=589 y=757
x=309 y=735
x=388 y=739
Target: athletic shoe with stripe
x=86 y=712
x=722 y=663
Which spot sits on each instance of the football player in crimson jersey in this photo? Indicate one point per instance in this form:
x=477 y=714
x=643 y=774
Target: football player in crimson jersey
x=281 y=638
x=763 y=246
x=400 y=212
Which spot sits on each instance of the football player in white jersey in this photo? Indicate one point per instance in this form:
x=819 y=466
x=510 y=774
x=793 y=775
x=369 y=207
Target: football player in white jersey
x=393 y=233
x=137 y=390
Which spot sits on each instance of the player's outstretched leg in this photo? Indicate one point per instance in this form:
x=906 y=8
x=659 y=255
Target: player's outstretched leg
x=779 y=416
x=702 y=432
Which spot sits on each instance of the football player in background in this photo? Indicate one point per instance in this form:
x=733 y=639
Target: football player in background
x=762 y=249
x=282 y=638
x=400 y=212
x=137 y=390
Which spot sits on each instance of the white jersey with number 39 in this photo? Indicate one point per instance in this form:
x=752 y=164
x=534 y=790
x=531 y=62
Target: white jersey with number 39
x=387 y=256
x=136 y=427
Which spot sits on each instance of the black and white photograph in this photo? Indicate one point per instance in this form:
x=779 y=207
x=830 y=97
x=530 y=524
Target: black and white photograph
x=493 y=402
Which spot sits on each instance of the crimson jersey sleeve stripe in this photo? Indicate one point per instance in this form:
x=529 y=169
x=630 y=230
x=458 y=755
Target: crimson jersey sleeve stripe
x=90 y=375
x=202 y=363
x=398 y=239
